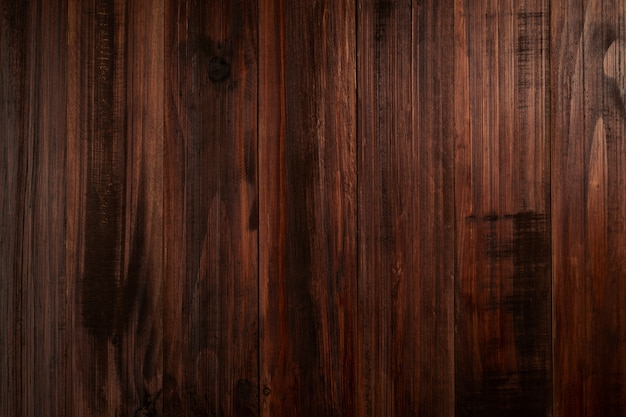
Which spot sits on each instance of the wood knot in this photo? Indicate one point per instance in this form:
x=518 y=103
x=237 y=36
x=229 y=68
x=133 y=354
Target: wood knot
x=219 y=69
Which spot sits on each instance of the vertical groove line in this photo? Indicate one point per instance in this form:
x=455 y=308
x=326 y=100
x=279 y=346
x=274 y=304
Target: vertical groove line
x=452 y=343
x=357 y=189
x=258 y=208
x=548 y=99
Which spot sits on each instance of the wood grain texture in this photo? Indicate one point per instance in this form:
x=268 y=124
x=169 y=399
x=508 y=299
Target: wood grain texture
x=323 y=208
x=32 y=190
x=503 y=299
x=588 y=193
x=114 y=208
x=406 y=212
x=211 y=209
x=307 y=211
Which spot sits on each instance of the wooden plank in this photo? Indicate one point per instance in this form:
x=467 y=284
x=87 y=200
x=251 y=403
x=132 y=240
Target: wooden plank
x=211 y=209
x=588 y=193
x=32 y=190
x=406 y=212
x=503 y=284
x=114 y=208
x=387 y=262
x=433 y=167
x=307 y=183
x=13 y=42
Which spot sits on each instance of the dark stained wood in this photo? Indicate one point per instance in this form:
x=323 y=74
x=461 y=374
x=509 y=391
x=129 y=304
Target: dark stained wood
x=324 y=208
x=406 y=212
x=307 y=211
x=503 y=305
x=32 y=194
x=588 y=193
x=433 y=171
x=114 y=208
x=211 y=209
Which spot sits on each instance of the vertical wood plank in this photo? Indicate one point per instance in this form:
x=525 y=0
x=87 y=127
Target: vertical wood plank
x=211 y=209
x=14 y=43
x=387 y=262
x=307 y=183
x=32 y=190
x=114 y=208
x=406 y=212
x=432 y=134
x=589 y=231
x=503 y=283
x=144 y=237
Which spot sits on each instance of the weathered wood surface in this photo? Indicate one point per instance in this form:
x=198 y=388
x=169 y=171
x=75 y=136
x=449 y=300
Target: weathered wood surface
x=81 y=215
x=351 y=208
x=307 y=211
x=503 y=350
x=33 y=308
x=211 y=219
x=113 y=213
x=406 y=209
x=589 y=214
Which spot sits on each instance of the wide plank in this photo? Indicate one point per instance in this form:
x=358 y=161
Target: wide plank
x=114 y=221
x=211 y=209
x=588 y=104
x=502 y=185
x=307 y=208
x=405 y=209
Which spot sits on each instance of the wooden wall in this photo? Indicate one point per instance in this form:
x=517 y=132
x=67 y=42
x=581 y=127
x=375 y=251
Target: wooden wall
x=348 y=208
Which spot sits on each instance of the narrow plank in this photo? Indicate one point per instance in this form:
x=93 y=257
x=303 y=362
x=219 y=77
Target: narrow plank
x=143 y=216
x=114 y=208
x=32 y=250
x=307 y=208
x=13 y=42
x=387 y=212
x=433 y=199
x=588 y=193
x=211 y=209
x=503 y=282
x=406 y=209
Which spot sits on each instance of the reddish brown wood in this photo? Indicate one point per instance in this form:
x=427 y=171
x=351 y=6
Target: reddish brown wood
x=211 y=209
x=32 y=194
x=432 y=296
x=503 y=305
x=406 y=237
x=319 y=208
x=588 y=193
x=307 y=183
x=114 y=208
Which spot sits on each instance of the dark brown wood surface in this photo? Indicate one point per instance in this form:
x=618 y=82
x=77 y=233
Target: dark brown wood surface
x=589 y=214
x=502 y=190
x=33 y=311
x=211 y=209
x=307 y=211
x=406 y=209
x=322 y=208
x=113 y=212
